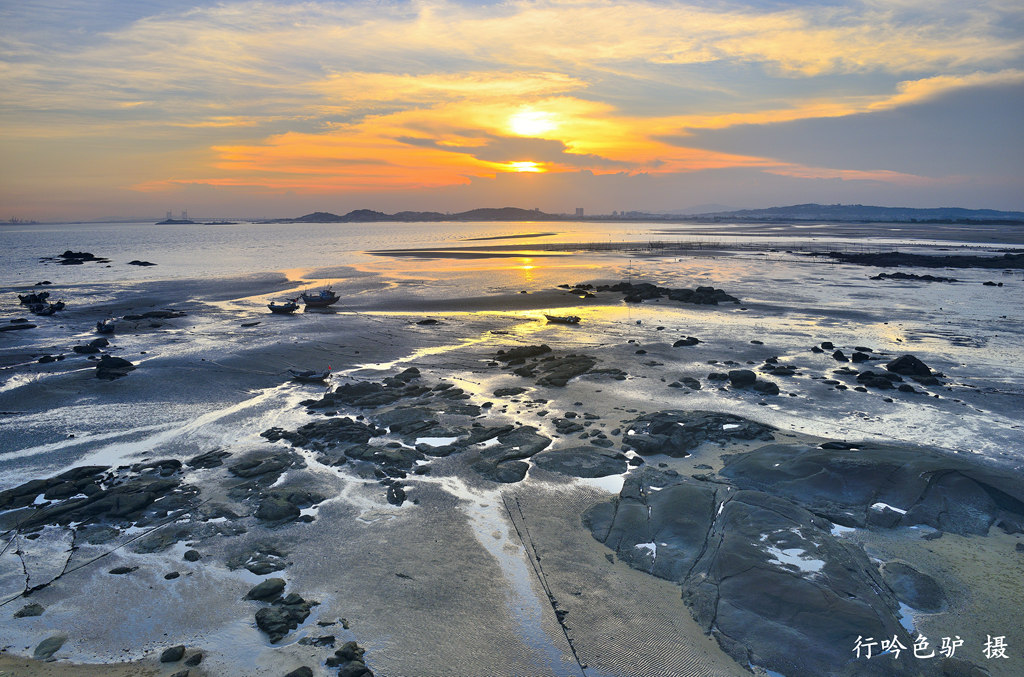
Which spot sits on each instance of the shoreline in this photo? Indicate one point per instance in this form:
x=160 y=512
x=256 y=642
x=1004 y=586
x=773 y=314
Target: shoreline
x=389 y=533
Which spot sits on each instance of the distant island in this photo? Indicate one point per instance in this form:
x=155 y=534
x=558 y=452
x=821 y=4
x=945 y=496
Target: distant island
x=805 y=212
x=370 y=216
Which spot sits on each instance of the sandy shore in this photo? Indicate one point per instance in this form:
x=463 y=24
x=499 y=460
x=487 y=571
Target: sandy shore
x=465 y=575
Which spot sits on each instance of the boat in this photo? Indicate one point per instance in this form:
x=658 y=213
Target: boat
x=283 y=308
x=320 y=299
x=563 y=319
x=105 y=327
x=309 y=375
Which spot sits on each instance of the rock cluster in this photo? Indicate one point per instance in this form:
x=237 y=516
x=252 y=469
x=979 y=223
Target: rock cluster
x=643 y=291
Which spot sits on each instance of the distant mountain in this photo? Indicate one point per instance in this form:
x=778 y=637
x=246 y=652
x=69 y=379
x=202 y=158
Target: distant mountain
x=370 y=216
x=865 y=213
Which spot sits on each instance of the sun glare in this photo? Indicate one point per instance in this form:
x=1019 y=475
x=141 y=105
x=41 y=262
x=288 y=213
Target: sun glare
x=524 y=167
x=531 y=123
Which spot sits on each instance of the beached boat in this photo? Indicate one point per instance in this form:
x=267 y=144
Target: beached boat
x=105 y=327
x=289 y=306
x=309 y=375
x=320 y=299
x=563 y=319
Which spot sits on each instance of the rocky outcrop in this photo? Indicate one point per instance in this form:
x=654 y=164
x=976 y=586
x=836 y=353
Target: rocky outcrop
x=885 y=486
x=677 y=433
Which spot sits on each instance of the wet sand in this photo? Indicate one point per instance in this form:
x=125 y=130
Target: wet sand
x=445 y=584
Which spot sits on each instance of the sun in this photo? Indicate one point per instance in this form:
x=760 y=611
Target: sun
x=529 y=122
x=524 y=166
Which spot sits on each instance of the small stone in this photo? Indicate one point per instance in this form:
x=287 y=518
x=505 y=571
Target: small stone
x=267 y=590
x=195 y=659
x=300 y=672
x=172 y=654
x=49 y=646
x=30 y=610
x=191 y=555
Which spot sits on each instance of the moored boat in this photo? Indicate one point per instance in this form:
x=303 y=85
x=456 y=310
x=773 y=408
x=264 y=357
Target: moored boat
x=320 y=299
x=283 y=308
x=563 y=319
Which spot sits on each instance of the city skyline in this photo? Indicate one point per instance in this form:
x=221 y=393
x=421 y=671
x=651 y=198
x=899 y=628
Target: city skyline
x=282 y=108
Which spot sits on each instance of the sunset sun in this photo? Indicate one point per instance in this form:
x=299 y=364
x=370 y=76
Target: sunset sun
x=531 y=122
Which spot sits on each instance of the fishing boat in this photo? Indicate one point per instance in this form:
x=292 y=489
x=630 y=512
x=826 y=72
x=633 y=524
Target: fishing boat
x=563 y=319
x=309 y=375
x=283 y=308
x=320 y=299
x=105 y=327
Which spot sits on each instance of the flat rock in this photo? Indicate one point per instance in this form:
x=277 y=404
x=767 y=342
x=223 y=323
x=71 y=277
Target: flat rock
x=586 y=461
x=676 y=433
x=886 y=486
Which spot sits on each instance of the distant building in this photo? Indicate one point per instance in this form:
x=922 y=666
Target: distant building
x=579 y=211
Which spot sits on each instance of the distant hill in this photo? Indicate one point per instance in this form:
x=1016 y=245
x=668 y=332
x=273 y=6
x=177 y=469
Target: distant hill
x=369 y=216
x=865 y=213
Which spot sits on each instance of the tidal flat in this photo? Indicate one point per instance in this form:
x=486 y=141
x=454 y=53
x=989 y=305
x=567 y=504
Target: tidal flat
x=728 y=466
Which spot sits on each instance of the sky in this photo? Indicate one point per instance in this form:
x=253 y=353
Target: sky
x=270 y=108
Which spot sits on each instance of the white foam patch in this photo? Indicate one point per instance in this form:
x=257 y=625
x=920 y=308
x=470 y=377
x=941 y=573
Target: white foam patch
x=882 y=506
x=651 y=547
x=436 y=441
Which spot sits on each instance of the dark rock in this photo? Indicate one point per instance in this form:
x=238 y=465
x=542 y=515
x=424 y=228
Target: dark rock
x=30 y=610
x=740 y=378
x=840 y=356
x=688 y=341
x=690 y=382
x=267 y=590
x=49 y=646
x=277 y=509
x=915 y=589
x=136 y=262
x=763 y=576
x=172 y=654
x=676 y=433
x=191 y=555
x=301 y=672
x=195 y=659
x=109 y=368
x=766 y=387
x=860 y=357
x=209 y=459
x=509 y=392
x=120 y=571
x=853 y=487
x=908 y=365
x=283 y=616
x=582 y=462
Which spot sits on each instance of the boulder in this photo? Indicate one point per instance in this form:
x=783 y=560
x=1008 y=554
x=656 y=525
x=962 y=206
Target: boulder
x=908 y=365
x=588 y=461
x=109 y=368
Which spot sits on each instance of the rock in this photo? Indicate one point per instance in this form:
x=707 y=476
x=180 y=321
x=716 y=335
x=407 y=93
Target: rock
x=908 y=365
x=688 y=341
x=283 y=616
x=582 y=462
x=740 y=378
x=49 y=646
x=109 y=368
x=916 y=590
x=690 y=382
x=764 y=576
x=859 y=487
x=766 y=387
x=300 y=672
x=172 y=654
x=276 y=508
x=840 y=356
x=509 y=392
x=30 y=610
x=137 y=262
x=676 y=433
x=191 y=555
x=209 y=459
x=956 y=667
x=267 y=590
x=119 y=571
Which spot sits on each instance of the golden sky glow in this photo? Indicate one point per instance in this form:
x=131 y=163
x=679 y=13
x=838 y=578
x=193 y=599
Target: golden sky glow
x=245 y=102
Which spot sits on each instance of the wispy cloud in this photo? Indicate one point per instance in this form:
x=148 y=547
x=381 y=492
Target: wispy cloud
x=325 y=96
